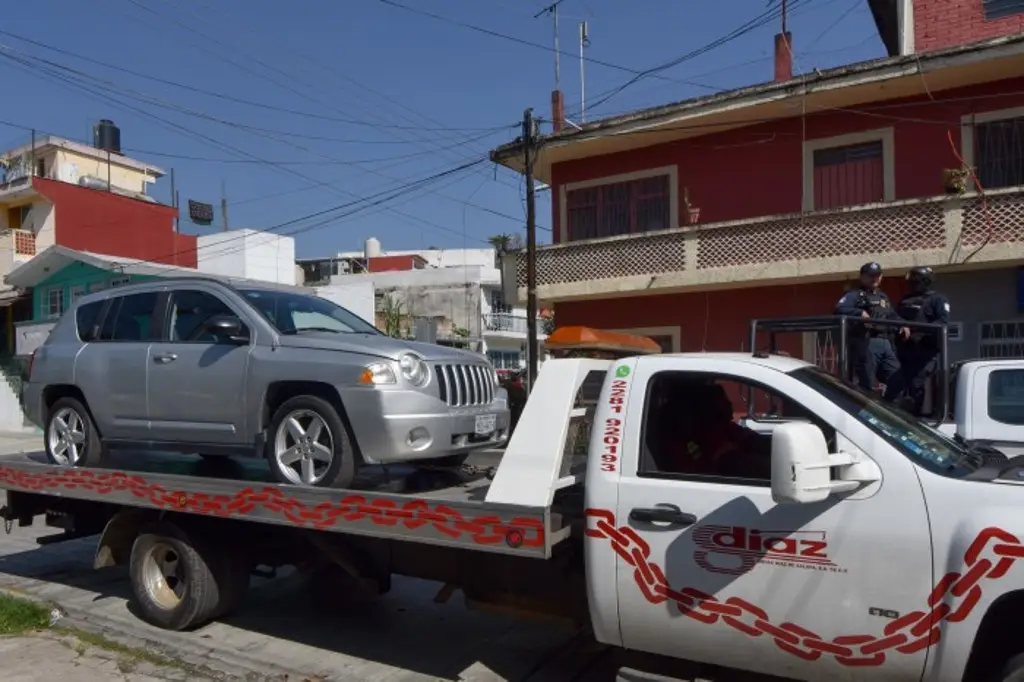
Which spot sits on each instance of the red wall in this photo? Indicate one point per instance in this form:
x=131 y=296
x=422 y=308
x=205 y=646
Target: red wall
x=945 y=23
x=757 y=171
x=92 y=220
x=392 y=263
x=716 y=320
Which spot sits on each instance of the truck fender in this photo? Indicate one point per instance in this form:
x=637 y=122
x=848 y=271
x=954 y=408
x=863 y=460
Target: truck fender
x=119 y=534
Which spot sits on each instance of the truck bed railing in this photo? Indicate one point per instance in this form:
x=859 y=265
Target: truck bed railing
x=843 y=326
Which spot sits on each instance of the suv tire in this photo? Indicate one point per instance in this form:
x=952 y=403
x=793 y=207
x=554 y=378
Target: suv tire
x=311 y=432
x=69 y=423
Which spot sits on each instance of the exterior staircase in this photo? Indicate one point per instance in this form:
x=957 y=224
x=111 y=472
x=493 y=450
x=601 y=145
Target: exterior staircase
x=14 y=372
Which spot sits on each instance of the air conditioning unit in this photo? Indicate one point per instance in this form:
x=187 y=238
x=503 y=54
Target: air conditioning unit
x=344 y=267
x=955 y=331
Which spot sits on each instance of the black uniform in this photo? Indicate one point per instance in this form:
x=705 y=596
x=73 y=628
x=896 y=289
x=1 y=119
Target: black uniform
x=919 y=354
x=871 y=349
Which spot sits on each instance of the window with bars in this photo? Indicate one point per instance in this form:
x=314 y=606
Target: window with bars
x=54 y=303
x=619 y=208
x=1001 y=339
x=999 y=152
x=849 y=175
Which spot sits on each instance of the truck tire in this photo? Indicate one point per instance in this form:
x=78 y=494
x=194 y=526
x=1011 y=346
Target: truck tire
x=1013 y=671
x=309 y=445
x=174 y=584
x=71 y=438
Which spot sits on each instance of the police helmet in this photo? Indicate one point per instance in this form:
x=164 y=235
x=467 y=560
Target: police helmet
x=871 y=269
x=921 y=277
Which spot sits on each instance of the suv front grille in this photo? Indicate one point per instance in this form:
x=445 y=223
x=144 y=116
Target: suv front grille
x=464 y=385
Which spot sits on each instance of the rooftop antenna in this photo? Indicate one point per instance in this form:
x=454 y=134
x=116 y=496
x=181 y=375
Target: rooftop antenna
x=584 y=42
x=552 y=9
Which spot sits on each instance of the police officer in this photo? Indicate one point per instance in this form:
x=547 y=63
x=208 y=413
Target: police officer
x=871 y=348
x=918 y=351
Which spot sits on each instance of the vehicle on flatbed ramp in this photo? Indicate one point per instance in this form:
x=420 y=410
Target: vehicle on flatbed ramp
x=869 y=546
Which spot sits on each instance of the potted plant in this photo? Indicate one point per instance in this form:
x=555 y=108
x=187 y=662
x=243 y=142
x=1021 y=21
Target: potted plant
x=955 y=180
x=692 y=212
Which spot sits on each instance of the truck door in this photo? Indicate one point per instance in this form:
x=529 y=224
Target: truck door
x=711 y=569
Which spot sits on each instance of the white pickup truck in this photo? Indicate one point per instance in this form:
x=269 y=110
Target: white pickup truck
x=829 y=538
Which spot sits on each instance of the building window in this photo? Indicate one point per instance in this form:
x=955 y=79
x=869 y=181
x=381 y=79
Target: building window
x=849 y=170
x=999 y=152
x=75 y=293
x=615 y=208
x=53 y=304
x=504 y=359
x=1001 y=339
x=848 y=176
x=997 y=9
x=97 y=286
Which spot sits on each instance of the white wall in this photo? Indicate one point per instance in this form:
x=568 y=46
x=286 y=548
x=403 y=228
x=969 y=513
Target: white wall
x=251 y=254
x=358 y=297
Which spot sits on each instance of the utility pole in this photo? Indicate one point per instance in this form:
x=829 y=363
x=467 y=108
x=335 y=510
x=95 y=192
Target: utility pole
x=224 y=205
x=174 y=202
x=531 y=250
x=584 y=42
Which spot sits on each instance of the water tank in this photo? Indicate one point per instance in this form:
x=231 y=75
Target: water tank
x=371 y=248
x=106 y=136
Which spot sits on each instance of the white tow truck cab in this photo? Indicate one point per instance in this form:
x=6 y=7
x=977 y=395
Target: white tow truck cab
x=822 y=535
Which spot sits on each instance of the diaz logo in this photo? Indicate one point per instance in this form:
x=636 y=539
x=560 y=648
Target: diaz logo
x=734 y=550
x=622 y=371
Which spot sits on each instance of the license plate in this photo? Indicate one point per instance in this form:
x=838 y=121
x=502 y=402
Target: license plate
x=485 y=423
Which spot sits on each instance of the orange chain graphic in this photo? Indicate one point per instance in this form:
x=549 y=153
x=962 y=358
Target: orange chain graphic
x=482 y=530
x=906 y=635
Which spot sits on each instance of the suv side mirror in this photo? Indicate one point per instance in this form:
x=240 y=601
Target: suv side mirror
x=802 y=465
x=227 y=326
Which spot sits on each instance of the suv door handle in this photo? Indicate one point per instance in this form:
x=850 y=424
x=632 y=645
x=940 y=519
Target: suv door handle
x=165 y=358
x=663 y=513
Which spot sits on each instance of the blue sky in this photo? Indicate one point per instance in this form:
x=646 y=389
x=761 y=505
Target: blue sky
x=388 y=96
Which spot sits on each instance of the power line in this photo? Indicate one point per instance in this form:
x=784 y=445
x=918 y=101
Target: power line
x=255 y=159
x=239 y=100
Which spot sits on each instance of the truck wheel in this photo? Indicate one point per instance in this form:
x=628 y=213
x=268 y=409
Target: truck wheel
x=172 y=580
x=1013 y=671
x=71 y=437
x=232 y=574
x=309 y=445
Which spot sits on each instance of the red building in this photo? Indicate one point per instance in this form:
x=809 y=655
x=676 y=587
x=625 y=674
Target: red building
x=686 y=220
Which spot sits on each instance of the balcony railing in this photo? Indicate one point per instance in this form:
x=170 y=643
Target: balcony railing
x=509 y=322
x=932 y=231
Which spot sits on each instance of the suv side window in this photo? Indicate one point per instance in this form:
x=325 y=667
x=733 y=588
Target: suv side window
x=189 y=310
x=129 y=318
x=87 y=318
x=692 y=431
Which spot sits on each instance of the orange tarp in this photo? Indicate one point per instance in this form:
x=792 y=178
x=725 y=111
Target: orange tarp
x=588 y=338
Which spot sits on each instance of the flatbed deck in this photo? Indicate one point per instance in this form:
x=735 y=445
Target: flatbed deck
x=432 y=506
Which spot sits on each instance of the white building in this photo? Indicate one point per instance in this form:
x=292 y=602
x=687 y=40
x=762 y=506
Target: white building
x=248 y=254
x=460 y=288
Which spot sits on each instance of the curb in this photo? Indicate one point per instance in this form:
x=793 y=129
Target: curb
x=220 y=664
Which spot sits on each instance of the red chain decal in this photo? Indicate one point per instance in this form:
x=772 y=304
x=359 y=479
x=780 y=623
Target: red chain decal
x=482 y=530
x=951 y=601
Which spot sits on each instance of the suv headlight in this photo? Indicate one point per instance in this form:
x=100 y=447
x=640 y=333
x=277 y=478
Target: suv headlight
x=378 y=373
x=413 y=369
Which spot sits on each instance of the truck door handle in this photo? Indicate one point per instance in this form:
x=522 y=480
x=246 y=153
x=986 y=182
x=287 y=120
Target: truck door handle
x=663 y=513
x=165 y=358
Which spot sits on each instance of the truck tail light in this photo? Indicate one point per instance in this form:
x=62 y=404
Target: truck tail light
x=31 y=361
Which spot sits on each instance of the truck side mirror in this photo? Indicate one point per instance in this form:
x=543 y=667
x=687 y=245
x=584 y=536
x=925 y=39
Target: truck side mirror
x=802 y=465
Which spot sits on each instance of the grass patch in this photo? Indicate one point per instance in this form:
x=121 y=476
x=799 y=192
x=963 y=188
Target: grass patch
x=18 y=616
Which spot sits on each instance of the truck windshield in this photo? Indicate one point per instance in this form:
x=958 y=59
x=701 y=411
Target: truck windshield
x=926 y=446
x=292 y=313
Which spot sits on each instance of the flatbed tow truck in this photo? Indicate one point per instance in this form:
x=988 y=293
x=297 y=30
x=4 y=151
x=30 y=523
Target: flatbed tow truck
x=871 y=547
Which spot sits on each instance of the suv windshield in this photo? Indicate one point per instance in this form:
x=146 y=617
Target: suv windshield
x=918 y=441
x=292 y=313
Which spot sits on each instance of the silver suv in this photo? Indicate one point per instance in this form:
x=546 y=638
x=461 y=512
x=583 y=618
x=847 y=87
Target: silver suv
x=203 y=366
